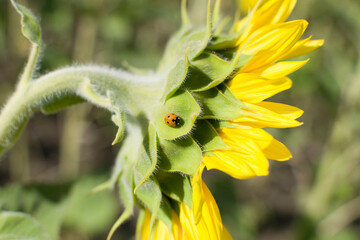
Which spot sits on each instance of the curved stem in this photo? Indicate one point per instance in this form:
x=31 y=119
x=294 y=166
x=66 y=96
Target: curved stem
x=137 y=93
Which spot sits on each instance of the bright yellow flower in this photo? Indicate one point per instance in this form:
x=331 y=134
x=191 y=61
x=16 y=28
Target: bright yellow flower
x=203 y=221
x=270 y=40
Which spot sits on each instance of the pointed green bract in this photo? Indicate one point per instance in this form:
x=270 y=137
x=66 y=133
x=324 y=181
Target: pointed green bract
x=118 y=116
x=126 y=190
x=126 y=157
x=176 y=186
x=217 y=105
x=146 y=163
x=207 y=71
x=175 y=78
x=180 y=155
x=182 y=104
x=30 y=26
x=149 y=194
x=224 y=41
x=187 y=40
x=207 y=137
x=165 y=214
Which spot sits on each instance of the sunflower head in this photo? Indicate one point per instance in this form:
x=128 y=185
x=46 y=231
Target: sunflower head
x=216 y=82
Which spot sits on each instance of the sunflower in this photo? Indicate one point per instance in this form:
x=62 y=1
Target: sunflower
x=270 y=41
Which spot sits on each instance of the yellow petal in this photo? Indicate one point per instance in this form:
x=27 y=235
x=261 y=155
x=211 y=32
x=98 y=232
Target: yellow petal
x=282 y=109
x=261 y=117
x=271 y=12
x=253 y=88
x=204 y=220
x=238 y=165
x=176 y=228
x=188 y=223
x=161 y=232
x=277 y=151
x=282 y=69
x=145 y=228
x=303 y=47
x=269 y=44
x=274 y=36
x=271 y=148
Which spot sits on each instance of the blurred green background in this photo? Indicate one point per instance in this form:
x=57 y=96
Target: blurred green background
x=59 y=158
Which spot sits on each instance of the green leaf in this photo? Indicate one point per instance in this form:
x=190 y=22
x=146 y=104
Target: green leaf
x=30 y=25
x=59 y=103
x=206 y=135
x=180 y=155
x=46 y=203
x=146 y=163
x=90 y=213
x=182 y=104
x=21 y=226
x=176 y=186
x=175 y=78
x=217 y=104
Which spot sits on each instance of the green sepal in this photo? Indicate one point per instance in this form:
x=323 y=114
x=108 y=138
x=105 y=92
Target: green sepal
x=185 y=40
x=175 y=78
x=30 y=26
x=118 y=117
x=126 y=189
x=207 y=71
x=217 y=104
x=180 y=155
x=224 y=41
x=149 y=194
x=126 y=157
x=165 y=214
x=176 y=186
x=184 y=105
x=206 y=135
x=58 y=104
x=146 y=163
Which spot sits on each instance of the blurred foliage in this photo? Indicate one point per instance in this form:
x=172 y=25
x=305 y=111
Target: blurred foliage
x=315 y=195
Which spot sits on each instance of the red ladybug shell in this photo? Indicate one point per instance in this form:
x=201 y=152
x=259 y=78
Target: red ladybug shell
x=172 y=119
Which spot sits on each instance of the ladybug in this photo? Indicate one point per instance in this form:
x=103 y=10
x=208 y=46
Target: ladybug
x=172 y=119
